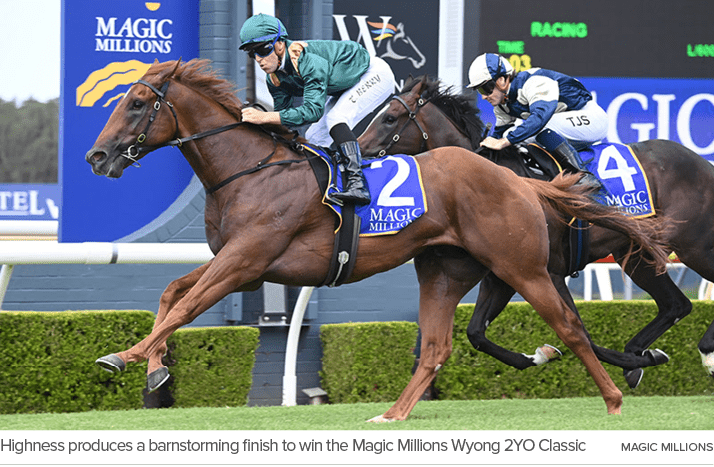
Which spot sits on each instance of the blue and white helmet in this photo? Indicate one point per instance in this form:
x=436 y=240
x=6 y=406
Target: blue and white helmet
x=486 y=67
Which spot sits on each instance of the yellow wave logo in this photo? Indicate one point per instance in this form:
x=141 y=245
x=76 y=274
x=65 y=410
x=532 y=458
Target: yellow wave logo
x=105 y=80
x=152 y=6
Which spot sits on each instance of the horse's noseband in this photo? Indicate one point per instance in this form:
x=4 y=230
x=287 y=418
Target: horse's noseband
x=421 y=102
x=133 y=151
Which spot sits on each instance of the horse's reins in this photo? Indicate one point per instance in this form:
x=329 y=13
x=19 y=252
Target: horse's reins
x=178 y=142
x=421 y=102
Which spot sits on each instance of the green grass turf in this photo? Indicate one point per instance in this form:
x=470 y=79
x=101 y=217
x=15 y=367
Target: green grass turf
x=638 y=413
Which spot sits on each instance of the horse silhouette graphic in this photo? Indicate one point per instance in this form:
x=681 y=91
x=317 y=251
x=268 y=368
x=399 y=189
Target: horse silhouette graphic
x=395 y=36
x=379 y=35
x=108 y=79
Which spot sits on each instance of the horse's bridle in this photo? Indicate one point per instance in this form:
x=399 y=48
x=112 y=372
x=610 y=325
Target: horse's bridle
x=178 y=142
x=421 y=102
x=137 y=149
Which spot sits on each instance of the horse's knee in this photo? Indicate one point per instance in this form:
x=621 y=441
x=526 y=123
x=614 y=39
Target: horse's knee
x=434 y=355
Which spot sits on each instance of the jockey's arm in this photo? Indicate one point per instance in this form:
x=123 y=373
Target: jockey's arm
x=259 y=117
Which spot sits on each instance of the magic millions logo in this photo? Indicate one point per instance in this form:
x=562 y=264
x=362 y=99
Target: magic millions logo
x=137 y=35
x=110 y=83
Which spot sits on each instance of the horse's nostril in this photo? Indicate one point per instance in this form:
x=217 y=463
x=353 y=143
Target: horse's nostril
x=98 y=156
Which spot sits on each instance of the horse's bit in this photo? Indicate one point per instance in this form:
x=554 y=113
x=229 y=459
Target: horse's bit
x=421 y=102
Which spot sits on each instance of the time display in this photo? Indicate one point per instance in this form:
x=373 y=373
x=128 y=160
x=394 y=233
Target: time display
x=607 y=38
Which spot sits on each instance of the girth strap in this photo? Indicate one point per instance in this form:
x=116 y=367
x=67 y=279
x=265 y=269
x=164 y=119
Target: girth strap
x=344 y=252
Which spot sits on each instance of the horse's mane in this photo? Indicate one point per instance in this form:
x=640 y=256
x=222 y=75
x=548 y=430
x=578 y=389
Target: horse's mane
x=199 y=75
x=459 y=108
x=462 y=111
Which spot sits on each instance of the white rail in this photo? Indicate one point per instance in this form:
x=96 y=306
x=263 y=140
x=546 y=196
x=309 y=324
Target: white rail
x=20 y=227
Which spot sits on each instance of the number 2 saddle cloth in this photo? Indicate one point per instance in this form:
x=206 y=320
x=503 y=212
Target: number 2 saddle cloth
x=395 y=185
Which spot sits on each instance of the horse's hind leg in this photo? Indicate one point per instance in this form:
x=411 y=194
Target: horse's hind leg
x=443 y=281
x=540 y=292
x=672 y=305
x=700 y=257
x=706 y=349
x=494 y=295
x=627 y=360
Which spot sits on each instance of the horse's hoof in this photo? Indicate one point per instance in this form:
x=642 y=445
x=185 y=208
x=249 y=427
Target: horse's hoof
x=545 y=354
x=112 y=363
x=708 y=362
x=380 y=419
x=658 y=356
x=633 y=377
x=156 y=378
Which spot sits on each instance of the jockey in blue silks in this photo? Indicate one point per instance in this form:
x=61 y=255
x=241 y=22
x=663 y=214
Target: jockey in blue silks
x=541 y=106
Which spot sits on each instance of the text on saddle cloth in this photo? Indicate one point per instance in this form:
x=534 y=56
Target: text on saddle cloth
x=397 y=193
x=623 y=177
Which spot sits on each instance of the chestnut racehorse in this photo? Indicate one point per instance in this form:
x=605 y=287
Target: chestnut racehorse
x=427 y=116
x=265 y=222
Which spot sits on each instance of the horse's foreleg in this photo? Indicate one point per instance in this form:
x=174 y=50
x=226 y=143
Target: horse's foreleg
x=541 y=294
x=442 y=283
x=225 y=273
x=175 y=291
x=493 y=296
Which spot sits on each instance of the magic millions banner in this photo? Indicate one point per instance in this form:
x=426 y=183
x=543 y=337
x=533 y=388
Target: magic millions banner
x=106 y=46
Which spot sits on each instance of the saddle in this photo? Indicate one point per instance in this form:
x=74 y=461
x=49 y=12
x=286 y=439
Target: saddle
x=541 y=165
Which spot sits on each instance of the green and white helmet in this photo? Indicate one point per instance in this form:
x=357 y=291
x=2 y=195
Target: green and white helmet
x=487 y=67
x=261 y=28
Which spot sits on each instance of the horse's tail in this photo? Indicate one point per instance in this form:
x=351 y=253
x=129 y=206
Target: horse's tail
x=565 y=197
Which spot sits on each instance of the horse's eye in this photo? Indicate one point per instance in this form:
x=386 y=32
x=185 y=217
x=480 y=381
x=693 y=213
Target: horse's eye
x=137 y=105
x=389 y=119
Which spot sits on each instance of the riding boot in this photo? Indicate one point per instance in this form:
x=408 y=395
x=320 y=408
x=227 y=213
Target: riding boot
x=569 y=160
x=355 y=187
x=567 y=157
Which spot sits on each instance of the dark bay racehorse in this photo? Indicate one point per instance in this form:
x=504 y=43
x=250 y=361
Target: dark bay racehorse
x=426 y=116
x=269 y=224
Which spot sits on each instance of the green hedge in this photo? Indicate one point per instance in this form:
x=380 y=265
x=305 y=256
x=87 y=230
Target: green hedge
x=367 y=362
x=469 y=374
x=212 y=367
x=47 y=362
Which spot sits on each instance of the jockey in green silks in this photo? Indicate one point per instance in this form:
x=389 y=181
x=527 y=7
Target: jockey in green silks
x=338 y=81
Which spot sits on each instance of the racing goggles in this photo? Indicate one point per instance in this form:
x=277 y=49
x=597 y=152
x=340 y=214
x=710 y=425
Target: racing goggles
x=265 y=48
x=262 y=50
x=486 y=88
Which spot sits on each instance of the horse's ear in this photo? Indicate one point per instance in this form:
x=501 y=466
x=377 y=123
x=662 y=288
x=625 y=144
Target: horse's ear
x=178 y=62
x=420 y=86
x=156 y=61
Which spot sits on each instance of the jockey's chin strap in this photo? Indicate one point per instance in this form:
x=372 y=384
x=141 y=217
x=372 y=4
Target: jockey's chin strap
x=132 y=152
x=421 y=102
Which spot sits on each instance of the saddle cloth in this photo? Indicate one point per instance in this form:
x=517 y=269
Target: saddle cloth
x=395 y=185
x=617 y=166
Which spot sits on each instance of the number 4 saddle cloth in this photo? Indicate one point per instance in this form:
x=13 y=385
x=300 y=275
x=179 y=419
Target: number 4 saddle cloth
x=617 y=166
x=395 y=185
